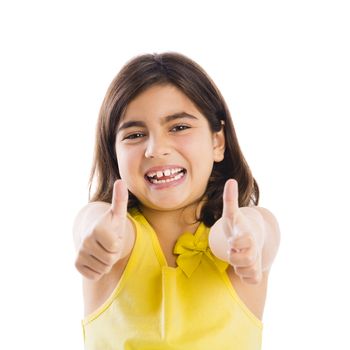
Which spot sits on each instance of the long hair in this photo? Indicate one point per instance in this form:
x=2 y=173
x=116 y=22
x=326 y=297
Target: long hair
x=136 y=76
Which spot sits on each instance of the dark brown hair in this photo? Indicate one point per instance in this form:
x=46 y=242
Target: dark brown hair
x=173 y=68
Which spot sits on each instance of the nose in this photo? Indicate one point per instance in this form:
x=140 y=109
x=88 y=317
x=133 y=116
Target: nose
x=156 y=147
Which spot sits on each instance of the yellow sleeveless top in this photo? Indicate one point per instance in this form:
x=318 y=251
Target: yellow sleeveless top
x=155 y=306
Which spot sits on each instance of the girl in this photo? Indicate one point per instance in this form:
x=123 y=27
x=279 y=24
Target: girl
x=174 y=252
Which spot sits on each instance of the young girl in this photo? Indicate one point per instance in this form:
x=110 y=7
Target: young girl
x=174 y=252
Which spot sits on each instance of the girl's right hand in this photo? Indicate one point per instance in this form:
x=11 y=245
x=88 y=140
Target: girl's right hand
x=103 y=246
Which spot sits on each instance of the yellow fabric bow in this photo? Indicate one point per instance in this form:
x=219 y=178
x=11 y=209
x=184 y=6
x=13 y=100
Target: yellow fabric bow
x=192 y=249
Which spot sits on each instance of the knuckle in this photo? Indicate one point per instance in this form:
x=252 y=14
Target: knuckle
x=113 y=246
x=239 y=272
x=107 y=269
x=77 y=262
x=80 y=260
x=254 y=280
x=99 y=267
x=107 y=242
x=92 y=276
x=78 y=265
x=249 y=259
x=97 y=232
x=251 y=280
x=86 y=244
x=232 y=258
x=256 y=274
x=254 y=271
x=87 y=273
x=241 y=261
x=250 y=239
x=87 y=267
x=110 y=259
x=235 y=261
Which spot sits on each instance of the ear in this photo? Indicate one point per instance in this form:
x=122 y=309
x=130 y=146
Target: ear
x=219 y=145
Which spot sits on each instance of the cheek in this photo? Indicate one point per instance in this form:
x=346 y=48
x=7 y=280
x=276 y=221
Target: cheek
x=126 y=166
x=200 y=156
x=198 y=148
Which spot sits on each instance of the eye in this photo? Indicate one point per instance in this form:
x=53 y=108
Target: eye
x=179 y=128
x=134 y=136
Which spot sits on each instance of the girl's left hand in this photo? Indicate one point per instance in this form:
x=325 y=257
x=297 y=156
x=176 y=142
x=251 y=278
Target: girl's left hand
x=243 y=235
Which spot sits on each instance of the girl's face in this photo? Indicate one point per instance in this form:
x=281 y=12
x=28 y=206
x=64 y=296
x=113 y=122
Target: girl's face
x=165 y=149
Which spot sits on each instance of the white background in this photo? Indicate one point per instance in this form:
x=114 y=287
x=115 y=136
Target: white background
x=283 y=68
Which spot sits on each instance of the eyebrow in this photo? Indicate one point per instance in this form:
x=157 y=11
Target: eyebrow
x=164 y=120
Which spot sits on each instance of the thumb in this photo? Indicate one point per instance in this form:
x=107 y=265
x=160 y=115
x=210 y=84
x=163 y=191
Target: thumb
x=230 y=199
x=119 y=204
x=230 y=208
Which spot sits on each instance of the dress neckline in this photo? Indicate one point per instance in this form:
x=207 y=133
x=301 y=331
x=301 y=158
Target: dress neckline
x=190 y=248
x=155 y=240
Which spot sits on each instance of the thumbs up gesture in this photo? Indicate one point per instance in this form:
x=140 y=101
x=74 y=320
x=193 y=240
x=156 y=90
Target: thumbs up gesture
x=103 y=246
x=242 y=234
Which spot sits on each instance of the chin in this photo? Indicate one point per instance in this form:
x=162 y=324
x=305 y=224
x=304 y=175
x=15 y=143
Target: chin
x=170 y=205
x=164 y=207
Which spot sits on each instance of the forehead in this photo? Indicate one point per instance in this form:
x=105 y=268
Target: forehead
x=159 y=101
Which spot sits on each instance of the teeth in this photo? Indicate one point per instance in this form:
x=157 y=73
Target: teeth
x=177 y=177
x=166 y=172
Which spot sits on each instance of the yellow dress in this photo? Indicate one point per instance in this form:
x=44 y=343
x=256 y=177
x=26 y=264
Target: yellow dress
x=155 y=306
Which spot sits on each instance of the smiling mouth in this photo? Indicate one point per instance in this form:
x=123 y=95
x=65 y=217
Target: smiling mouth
x=166 y=176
